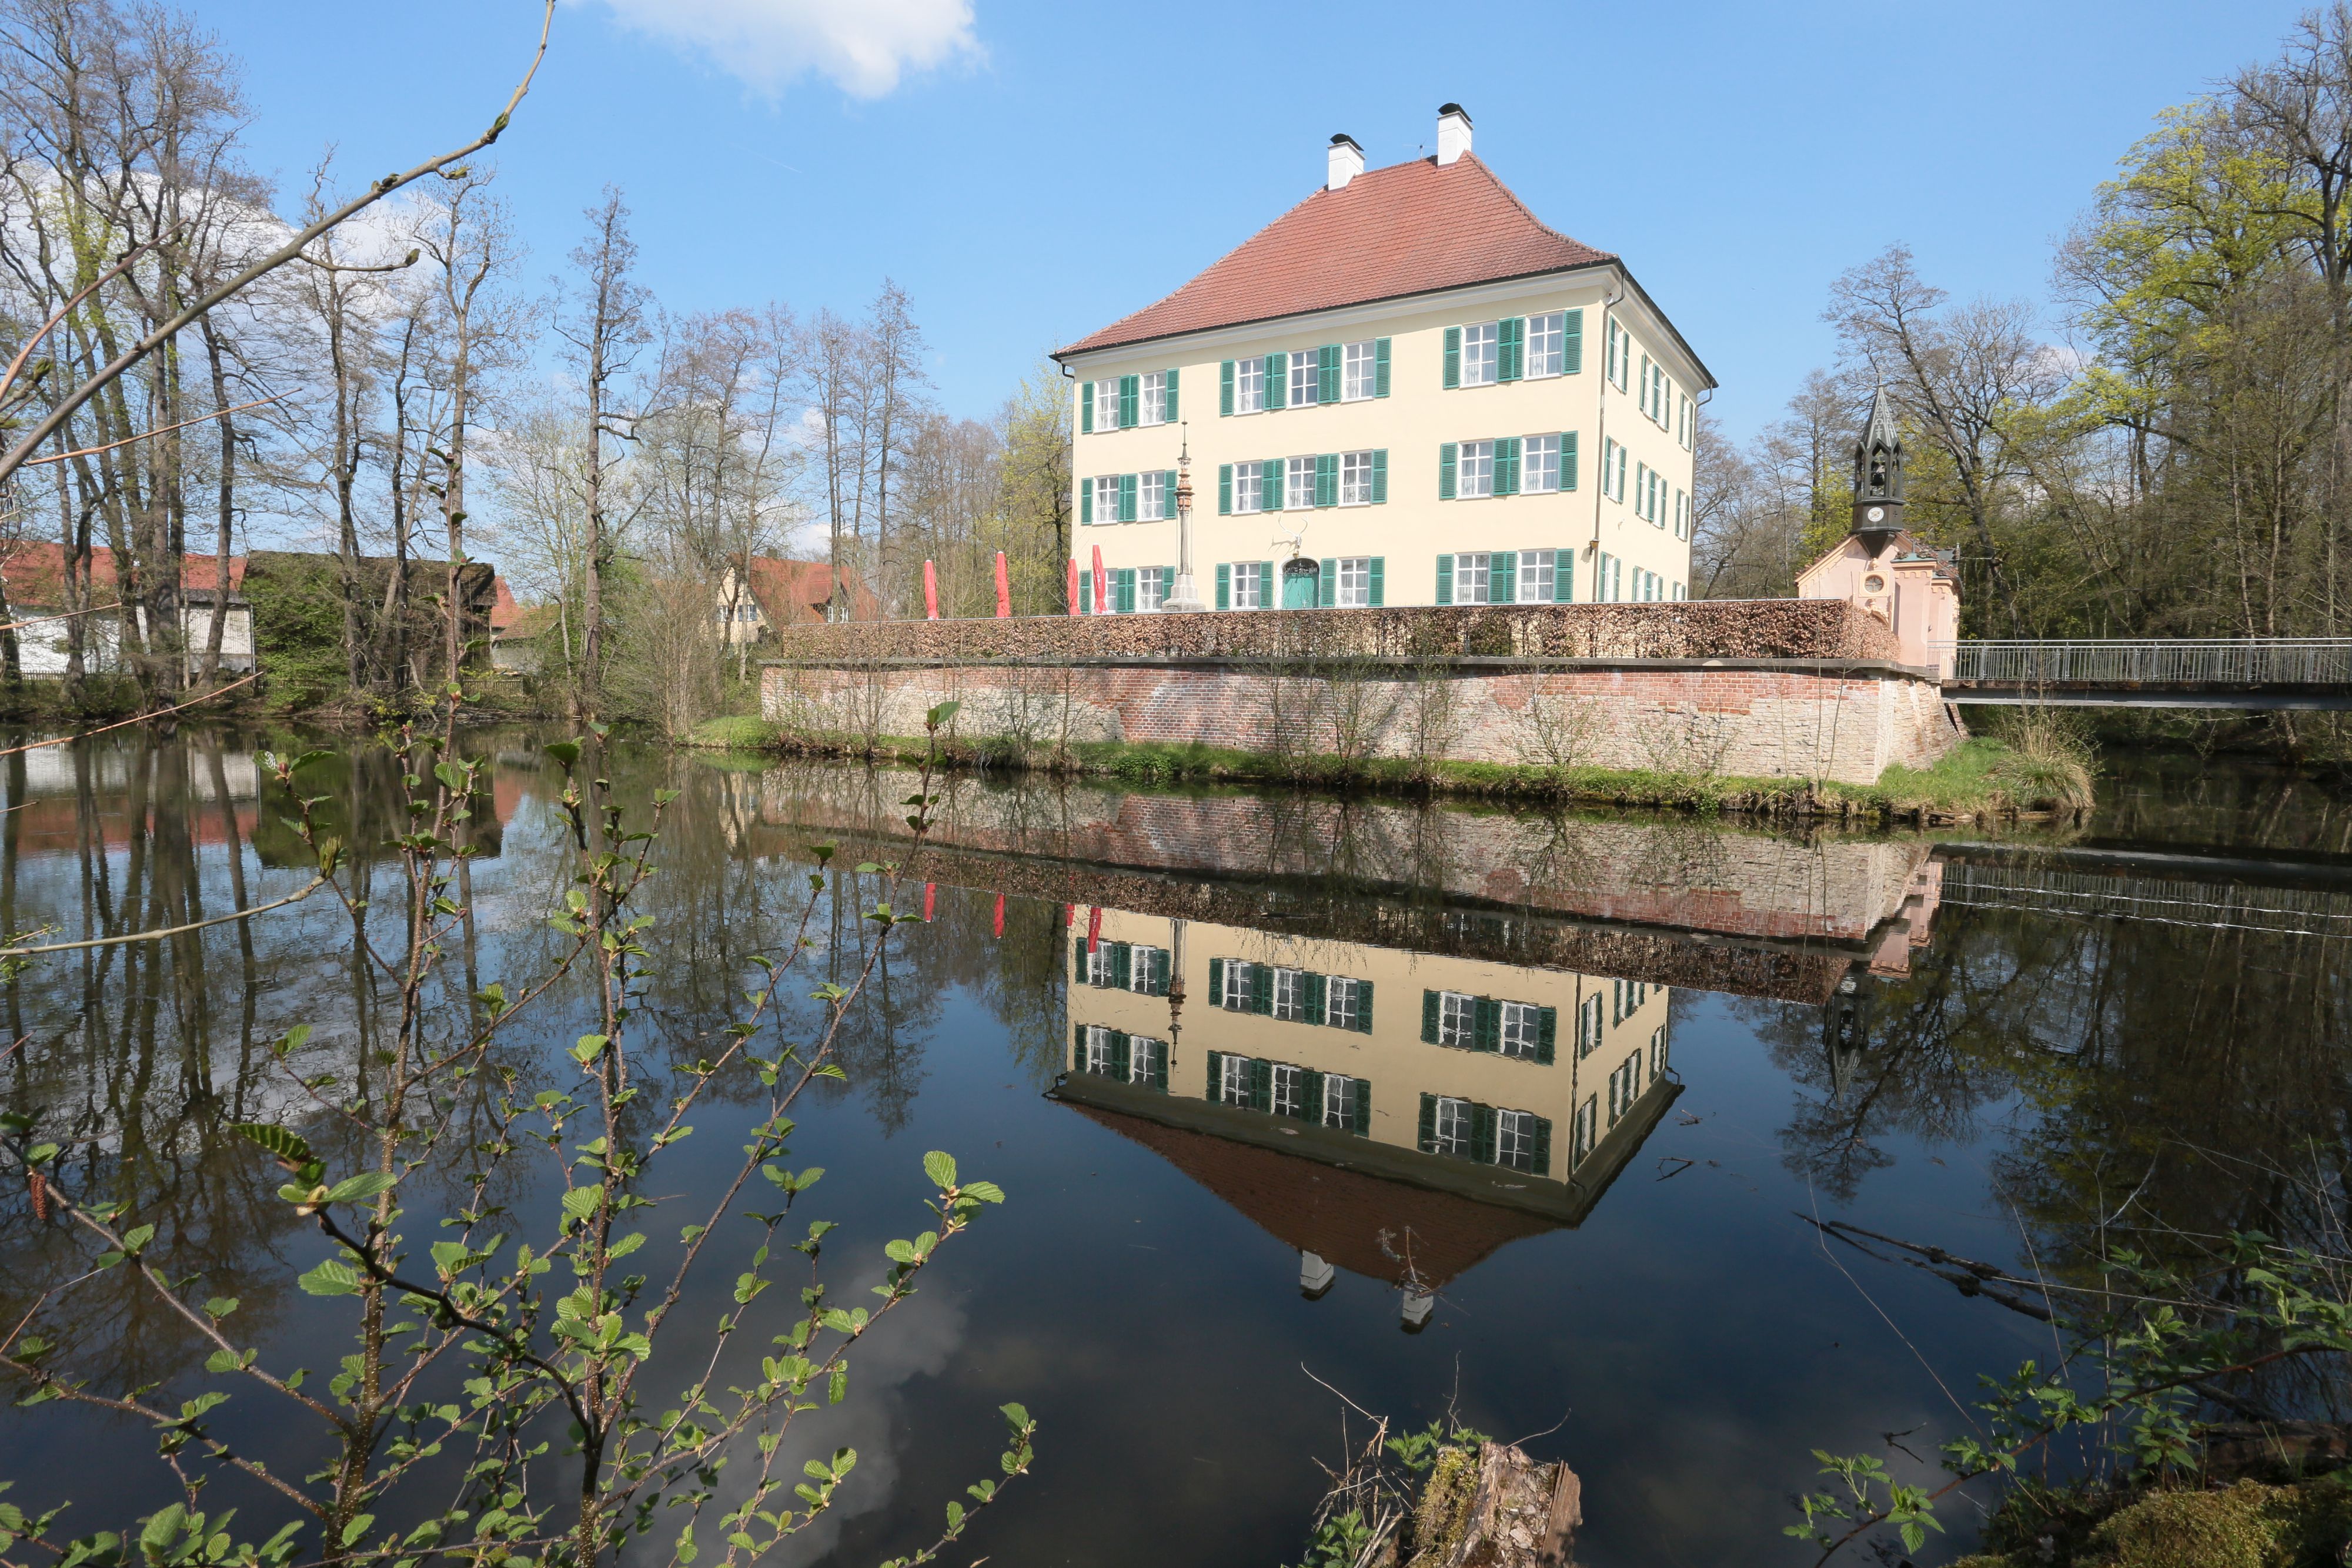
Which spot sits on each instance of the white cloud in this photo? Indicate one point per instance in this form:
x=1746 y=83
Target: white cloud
x=863 y=45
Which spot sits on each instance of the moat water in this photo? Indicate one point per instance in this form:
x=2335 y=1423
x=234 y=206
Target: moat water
x=1518 y=1114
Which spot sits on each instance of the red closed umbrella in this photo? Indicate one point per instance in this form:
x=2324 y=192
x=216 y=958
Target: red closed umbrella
x=1073 y=585
x=1102 y=585
x=930 y=590
x=1003 y=591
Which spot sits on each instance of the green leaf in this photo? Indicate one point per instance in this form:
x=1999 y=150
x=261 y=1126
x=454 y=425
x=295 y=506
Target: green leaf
x=357 y=1527
x=220 y=1307
x=566 y=752
x=332 y=1278
x=940 y=714
x=940 y=1167
x=839 y=1388
x=354 y=1189
x=160 y=1531
x=287 y=1146
x=589 y=1047
x=452 y=777
x=133 y=1239
x=986 y=1191
x=900 y=1251
x=1016 y=1416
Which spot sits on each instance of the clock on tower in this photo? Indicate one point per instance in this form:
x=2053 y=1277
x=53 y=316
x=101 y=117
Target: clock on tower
x=1878 y=471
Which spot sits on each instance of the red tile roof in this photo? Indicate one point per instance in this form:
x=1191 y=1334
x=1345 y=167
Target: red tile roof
x=34 y=572
x=796 y=592
x=1406 y=229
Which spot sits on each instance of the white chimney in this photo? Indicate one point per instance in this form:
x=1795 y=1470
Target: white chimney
x=1453 y=133
x=1347 y=161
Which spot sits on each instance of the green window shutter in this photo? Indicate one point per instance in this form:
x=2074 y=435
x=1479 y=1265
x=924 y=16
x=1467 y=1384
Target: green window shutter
x=1572 y=358
x=1481 y=1134
x=1269 y=587
x=1087 y=407
x=1563 y=575
x=1122 y=963
x=1126 y=602
x=1126 y=497
x=1429 y=1013
x=1225 y=489
x=1363 y=1108
x=1380 y=475
x=1378 y=600
x=1568 y=460
x=1326 y=479
x=1168 y=494
x=1277 y=380
x=1547 y=1032
x=1261 y=1085
x=1217 y=965
x=1130 y=395
x=1318 y=998
x=1122 y=1054
x=1269 y=485
x=1327 y=583
x=1486 y=1025
x=1539 y=1146
x=1453 y=356
x=1086 y=592
x=1160 y=1069
x=1262 y=989
x=1086 y=501
x=1364 y=987
x=1380 y=367
x=1506 y=465
x=1079 y=959
x=1310 y=1099
x=1428 y=1145
x=1510 y=340
x=1171 y=405
x=1445 y=579
x=1216 y=1073
x=1446 y=454
x=1503 y=577
x=1225 y=387
x=1224 y=601
x=1327 y=373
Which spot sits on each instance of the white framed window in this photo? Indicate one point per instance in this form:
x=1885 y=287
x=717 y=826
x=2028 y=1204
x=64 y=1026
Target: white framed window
x=1473 y=470
x=1152 y=585
x=1107 y=498
x=1588 y=1026
x=1682 y=515
x=1154 y=496
x=1353 y=592
x=1102 y=965
x=1538 y=576
x=1538 y=465
x=1153 y=406
x=1234 y=1080
x=1547 y=345
x=1624 y=1087
x=1612 y=470
x=1343 y=998
x=1661 y=395
x=1684 y=421
x=1147 y=1059
x=1450 y=1127
x=1107 y=403
x=1306 y=378
x=1249 y=386
x=1097 y=1050
x=1247 y=494
x=1355 y=479
x=1143 y=963
x=1237 y=998
x=1457 y=1018
x=1478 y=354
x=1657 y=1052
x=1339 y=1095
x=1290 y=996
x=1521 y=1026
x=1289 y=1098
x=1470 y=572
x=1619 y=350
x=1250 y=592
x=1514 y=1139
x=1298 y=489
x=1359 y=370
x=1658 y=489
x=1645 y=387
x=1587 y=1115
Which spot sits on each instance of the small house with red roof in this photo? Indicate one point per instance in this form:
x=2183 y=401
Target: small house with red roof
x=34 y=575
x=779 y=592
x=1406 y=390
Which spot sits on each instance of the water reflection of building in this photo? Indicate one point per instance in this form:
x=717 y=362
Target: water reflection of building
x=1396 y=1113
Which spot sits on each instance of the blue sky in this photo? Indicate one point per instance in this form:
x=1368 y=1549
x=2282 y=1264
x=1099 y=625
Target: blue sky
x=1028 y=172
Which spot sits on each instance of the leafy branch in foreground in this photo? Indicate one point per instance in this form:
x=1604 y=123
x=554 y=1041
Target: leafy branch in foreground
x=493 y=1409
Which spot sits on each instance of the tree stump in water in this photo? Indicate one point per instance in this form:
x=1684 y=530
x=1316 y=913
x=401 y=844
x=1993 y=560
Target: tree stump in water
x=1493 y=1507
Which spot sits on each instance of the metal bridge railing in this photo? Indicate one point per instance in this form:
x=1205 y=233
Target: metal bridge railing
x=2232 y=662
x=2286 y=910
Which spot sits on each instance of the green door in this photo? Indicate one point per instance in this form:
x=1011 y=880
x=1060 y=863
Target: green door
x=1298 y=583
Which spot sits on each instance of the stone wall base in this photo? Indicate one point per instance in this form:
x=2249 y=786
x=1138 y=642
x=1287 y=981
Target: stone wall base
x=1762 y=719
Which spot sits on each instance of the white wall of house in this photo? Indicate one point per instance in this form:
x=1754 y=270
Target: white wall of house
x=41 y=647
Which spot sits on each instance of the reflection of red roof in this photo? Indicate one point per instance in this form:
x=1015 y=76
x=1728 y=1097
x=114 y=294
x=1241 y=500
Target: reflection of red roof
x=1405 y=229
x=34 y=572
x=796 y=592
x=1338 y=1215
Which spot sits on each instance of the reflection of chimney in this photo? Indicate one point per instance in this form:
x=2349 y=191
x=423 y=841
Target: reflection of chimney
x=1347 y=161
x=1315 y=1276
x=1453 y=133
x=1419 y=1302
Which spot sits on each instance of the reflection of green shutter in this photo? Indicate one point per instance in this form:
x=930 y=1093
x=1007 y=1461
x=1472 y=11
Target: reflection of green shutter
x=1310 y=1097
x=1326 y=479
x=1217 y=965
x=1077 y=1048
x=1130 y=396
x=1087 y=407
x=1167 y=409
x=1485 y=1024
x=1079 y=959
x=1122 y=1054
x=1159 y=1068
x=1546 y=1030
x=1568 y=460
x=1445 y=579
x=1261 y=1085
x=1225 y=489
x=1225 y=387
x=1481 y=1134
x=1122 y=963
x=1224 y=601
x=1318 y=994
x=1572 y=344
x=1364 y=993
x=1380 y=475
x=1453 y=356
x=1378 y=562
x=1277 y=380
x=1327 y=582
x=1428 y=1143
x=1539 y=1146
x=1446 y=454
x=1327 y=373
x=1261 y=988
x=1216 y=1074
x=1363 y=1108
x=1428 y=1019
x=1503 y=577
x=1380 y=367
